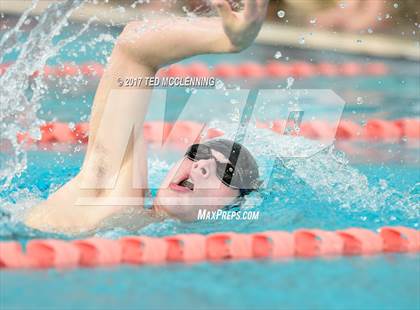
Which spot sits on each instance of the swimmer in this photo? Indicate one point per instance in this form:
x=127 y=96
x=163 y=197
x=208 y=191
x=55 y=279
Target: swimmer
x=218 y=170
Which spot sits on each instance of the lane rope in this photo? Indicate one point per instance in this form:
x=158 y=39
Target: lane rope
x=186 y=132
x=223 y=246
x=272 y=69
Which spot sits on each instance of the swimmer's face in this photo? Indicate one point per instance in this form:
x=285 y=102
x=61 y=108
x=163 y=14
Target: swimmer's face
x=191 y=186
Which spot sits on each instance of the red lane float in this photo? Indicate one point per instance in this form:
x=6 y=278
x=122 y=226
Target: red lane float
x=316 y=242
x=377 y=129
x=348 y=130
x=400 y=239
x=50 y=252
x=186 y=132
x=350 y=69
x=229 y=245
x=143 y=250
x=12 y=256
x=189 y=248
x=98 y=252
x=186 y=248
x=409 y=127
x=275 y=244
x=304 y=69
x=276 y=69
x=328 y=69
x=316 y=130
x=272 y=69
x=252 y=70
x=358 y=241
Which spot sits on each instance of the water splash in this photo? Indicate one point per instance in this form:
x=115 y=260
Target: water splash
x=327 y=174
x=22 y=90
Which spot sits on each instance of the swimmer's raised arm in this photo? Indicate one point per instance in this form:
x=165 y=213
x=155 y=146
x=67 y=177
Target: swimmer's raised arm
x=167 y=41
x=144 y=47
x=139 y=52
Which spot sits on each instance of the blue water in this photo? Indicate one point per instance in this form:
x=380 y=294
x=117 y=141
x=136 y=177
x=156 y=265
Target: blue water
x=289 y=202
x=386 y=282
x=294 y=205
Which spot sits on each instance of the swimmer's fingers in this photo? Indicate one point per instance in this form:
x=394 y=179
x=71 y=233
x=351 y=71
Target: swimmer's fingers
x=256 y=8
x=250 y=7
x=225 y=11
x=241 y=28
x=253 y=10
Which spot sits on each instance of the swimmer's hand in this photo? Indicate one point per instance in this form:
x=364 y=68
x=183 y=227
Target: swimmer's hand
x=153 y=45
x=241 y=28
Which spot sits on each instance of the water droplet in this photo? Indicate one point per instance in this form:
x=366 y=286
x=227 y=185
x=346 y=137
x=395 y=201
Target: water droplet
x=219 y=84
x=281 y=14
x=277 y=55
x=290 y=82
x=313 y=21
x=121 y=9
x=302 y=40
x=359 y=100
x=396 y=5
x=370 y=30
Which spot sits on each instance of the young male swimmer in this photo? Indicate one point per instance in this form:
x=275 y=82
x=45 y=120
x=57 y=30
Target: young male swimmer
x=211 y=170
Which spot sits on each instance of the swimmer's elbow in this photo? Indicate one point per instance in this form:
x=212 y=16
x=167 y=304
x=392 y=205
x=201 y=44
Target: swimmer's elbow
x=133 y=43
x=35 y=218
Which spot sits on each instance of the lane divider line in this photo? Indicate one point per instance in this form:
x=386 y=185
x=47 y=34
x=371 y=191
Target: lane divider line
x=272 y=69
x=185 y=132
x=222 y=246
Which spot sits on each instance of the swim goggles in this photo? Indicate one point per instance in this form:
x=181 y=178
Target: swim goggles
x=225 y=171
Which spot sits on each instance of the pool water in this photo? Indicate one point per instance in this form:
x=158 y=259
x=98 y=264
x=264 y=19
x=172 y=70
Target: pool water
x=384 y=282
x=364 y=189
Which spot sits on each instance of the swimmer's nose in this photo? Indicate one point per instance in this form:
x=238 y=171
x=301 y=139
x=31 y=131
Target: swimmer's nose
x=201 y=168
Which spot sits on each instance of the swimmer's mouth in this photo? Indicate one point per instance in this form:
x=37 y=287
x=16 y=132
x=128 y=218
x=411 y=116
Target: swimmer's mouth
x=185 y=185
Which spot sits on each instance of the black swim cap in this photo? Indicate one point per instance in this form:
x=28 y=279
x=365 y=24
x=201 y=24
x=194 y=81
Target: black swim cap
x=246 y=175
